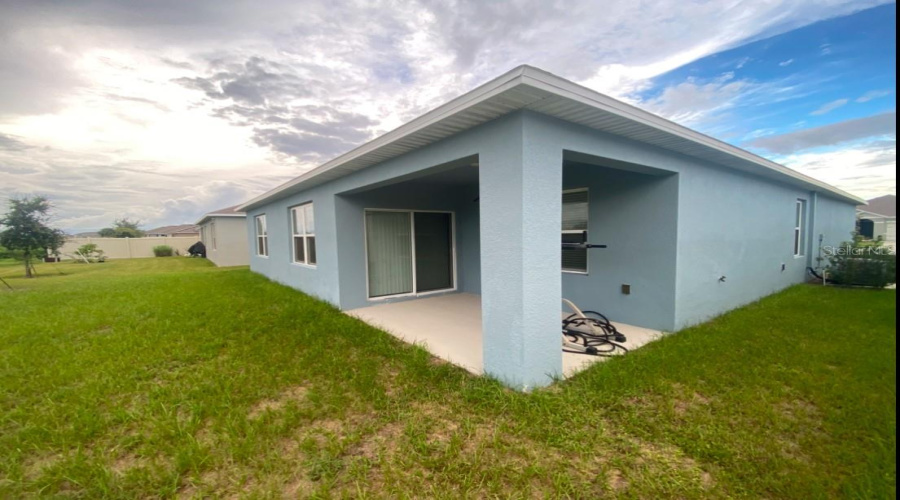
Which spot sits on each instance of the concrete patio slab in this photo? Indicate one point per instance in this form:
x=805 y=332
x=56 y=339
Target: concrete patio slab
x=449 y=326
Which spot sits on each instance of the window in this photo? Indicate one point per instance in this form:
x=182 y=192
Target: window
x=800 y=229
x=212 y=231
x=304 y=230
x=262 y=236
x=574 y=230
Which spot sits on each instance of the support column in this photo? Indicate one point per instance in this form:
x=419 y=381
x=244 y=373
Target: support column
x=520 y=193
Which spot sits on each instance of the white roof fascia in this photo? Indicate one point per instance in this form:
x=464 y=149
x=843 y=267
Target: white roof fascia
x=465 y=101
x=561 y=87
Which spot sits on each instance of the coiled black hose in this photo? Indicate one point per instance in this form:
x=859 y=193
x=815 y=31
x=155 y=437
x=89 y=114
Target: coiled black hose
x=578 y=330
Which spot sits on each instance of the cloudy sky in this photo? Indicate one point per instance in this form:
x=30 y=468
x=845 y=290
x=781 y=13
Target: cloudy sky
x=164 y=110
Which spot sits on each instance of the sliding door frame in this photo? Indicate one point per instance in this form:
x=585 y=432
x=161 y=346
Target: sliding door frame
x=412 y=239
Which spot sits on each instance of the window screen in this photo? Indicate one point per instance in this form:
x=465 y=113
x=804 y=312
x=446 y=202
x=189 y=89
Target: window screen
x=574 y=228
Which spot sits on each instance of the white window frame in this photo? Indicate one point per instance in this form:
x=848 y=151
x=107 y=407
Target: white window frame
x=301 y=210
x=800 y=228
x=262 y=240
x=412 y=236
x=587 y=260
x=212 y=231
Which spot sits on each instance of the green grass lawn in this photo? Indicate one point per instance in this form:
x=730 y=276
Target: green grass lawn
x=169 y=377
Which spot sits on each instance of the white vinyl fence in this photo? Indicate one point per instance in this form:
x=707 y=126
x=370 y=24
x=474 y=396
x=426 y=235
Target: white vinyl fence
x=127 y=248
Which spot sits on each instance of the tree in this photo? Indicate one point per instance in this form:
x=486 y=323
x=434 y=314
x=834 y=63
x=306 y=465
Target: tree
x=25 y=230
x=123 y=228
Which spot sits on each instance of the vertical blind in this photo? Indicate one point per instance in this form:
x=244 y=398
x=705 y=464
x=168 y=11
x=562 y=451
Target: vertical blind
x=389 y=249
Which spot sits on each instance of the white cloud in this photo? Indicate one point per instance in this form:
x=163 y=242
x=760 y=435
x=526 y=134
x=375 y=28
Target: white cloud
x=786 y=63
x=880 y=125
x=645 y=48
x=90 y=189
x=691 y=103
x=711 y=105
x=830 y=106
x=866 y=169
x=756 y=134
x=872 y=95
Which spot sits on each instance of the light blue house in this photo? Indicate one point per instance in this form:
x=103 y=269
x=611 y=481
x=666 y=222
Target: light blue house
x=476 y=196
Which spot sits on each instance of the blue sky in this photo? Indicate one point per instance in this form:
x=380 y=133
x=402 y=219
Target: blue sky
x=820 y=98
x=162 y=111
x=838 y=62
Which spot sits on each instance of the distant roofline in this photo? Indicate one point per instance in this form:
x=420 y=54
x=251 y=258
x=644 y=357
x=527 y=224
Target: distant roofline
x=232 y=211
x=184 y=228
x=876 y=214
x=879 y=204
x=539 y=79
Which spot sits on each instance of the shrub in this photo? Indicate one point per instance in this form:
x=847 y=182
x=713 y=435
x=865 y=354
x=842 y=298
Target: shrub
x=864 y=263
x=163 y=251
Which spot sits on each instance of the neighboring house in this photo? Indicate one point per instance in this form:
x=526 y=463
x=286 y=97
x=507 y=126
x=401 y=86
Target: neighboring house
x=478 y=195
x=878 y=220
x=224 y=233
x=89 y=234
x=179 y=231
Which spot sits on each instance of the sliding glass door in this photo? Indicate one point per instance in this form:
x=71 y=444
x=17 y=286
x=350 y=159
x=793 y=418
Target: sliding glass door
x=434 y=251
x=409 y=252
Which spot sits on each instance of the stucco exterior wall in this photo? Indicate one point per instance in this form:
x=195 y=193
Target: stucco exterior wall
x=520 y=183
x=339 y=226
x=729 y=224
x=736 y=244
x=520 y=294
x=351 y=208
x=320 y=280
x=833 y=226
x=636 y=216
x=743 y=230
x=231 y=241
x=675 y=226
